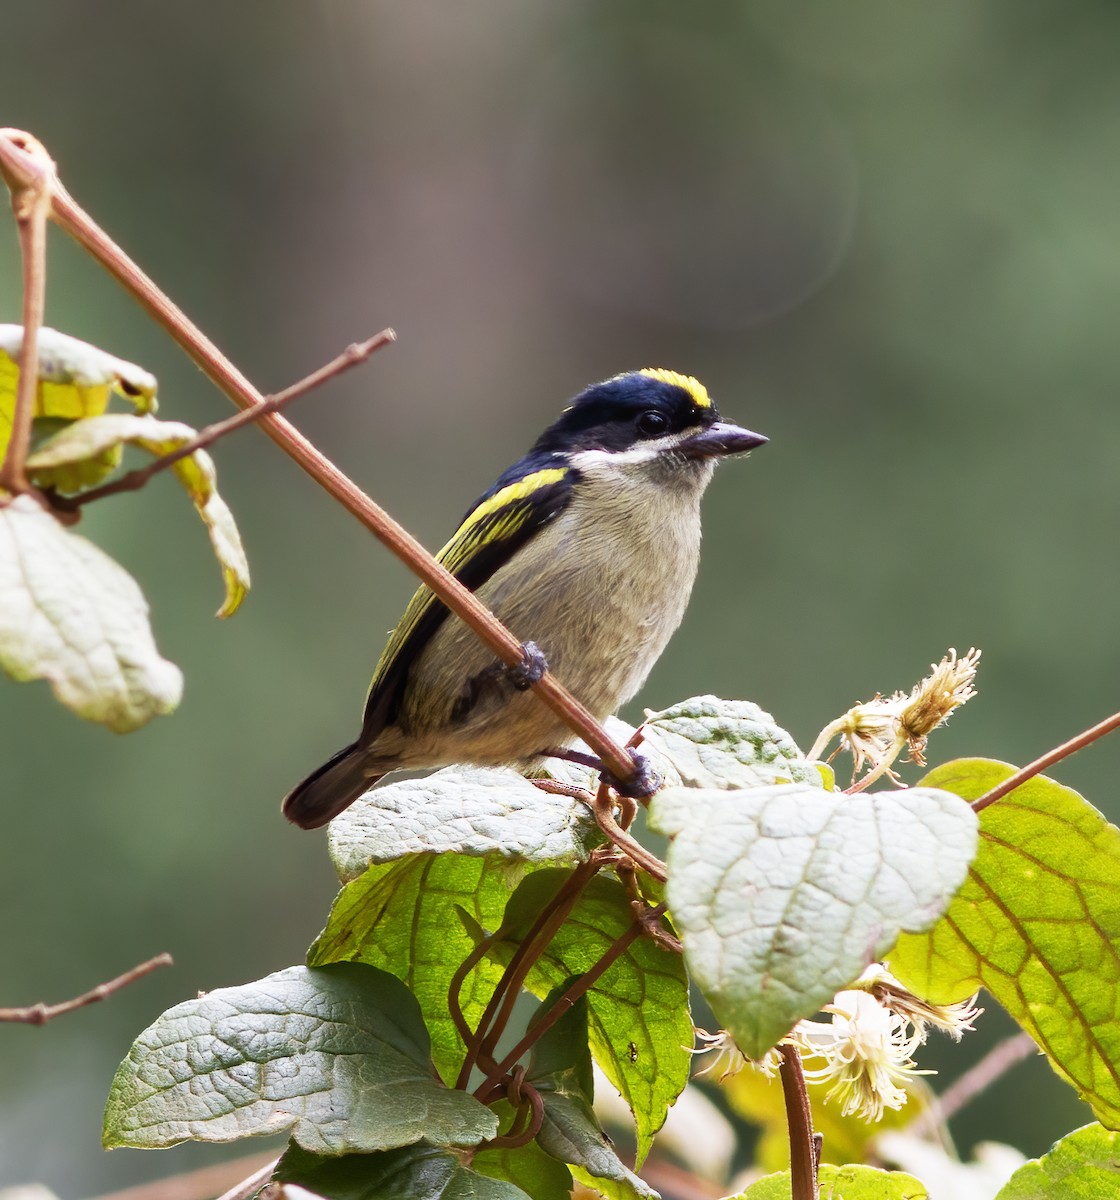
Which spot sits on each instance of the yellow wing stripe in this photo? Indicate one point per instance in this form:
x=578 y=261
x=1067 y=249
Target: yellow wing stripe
x=484 y=525
x=693 y=387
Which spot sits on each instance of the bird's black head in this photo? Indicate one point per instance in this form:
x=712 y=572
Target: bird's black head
x=619 y=413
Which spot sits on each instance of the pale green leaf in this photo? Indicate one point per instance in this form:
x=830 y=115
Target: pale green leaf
x=782 y=895
x=714 y=743
x=1037 y=923
x=69 y=614
x=638 y=1014
x=1084 y=1165
x=417 y=1172
x=339 y=1055
x=85 y=440
x=843 y=1183
x=75 y=378
x=403 y=917
x=468 y=810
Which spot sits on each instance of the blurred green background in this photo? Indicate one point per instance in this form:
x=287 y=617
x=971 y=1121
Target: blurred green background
x=884 y=233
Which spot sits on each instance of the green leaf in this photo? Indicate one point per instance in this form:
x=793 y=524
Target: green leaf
x=1084 y=1165
x=716 y=743
x=69 y=614
x=417 y=1172
x=560 y=1069
x=843 y=1183
x=340 y=1055
x=88 y=439
x=528 y=1167
x=638 y=1014
x=1037 y=924
x=75 y=379
x=468 y=810
x=402 y=917
x=782 y=895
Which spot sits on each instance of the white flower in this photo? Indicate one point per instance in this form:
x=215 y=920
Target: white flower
x=865 y=1053
x=728 y=1060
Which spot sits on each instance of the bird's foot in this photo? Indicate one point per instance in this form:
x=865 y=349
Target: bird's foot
x=530 y=669
x=644 y=782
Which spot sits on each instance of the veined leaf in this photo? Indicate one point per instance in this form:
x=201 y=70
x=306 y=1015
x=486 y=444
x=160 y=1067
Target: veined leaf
x=88 y=439
x=339 y=1055
x=843 y=1183
x=403 y=917
x=468 y=810
x=1084 y=1165
x=1037 y=923
x=69 y=614
x=714 y=743
x=782 y=895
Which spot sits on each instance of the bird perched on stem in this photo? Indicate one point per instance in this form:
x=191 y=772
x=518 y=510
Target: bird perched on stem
x=586 y=549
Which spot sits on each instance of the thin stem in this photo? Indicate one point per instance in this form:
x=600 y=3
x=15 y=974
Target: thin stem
x=517 y=968
x=803 y=1153
x=40 y=1014
x=31 y=203
x=603 y=808
x=564 y=1004
x=352 y=356
x=1047 y=760
x=251 y=1184
x=459 y=599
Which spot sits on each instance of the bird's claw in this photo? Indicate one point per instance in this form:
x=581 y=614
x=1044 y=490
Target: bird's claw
x=530 y=669
x=644 y=782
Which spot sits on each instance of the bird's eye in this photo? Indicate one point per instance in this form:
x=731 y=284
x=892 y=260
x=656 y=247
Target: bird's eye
x=652 y=424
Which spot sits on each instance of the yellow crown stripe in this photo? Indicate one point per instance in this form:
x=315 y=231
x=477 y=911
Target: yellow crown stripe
x=693 y=387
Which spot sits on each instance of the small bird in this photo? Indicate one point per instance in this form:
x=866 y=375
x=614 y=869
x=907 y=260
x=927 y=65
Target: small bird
x=586 y=549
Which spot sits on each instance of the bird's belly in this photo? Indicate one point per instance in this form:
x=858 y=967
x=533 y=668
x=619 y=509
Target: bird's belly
x=600 y=629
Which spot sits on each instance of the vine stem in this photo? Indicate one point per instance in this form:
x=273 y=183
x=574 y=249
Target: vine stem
x=803 y=1152
x=31 y=204
x=1083 y=739
x=21 y=168
x=40 y=1014
x=494 y=1017
x=564 y=1004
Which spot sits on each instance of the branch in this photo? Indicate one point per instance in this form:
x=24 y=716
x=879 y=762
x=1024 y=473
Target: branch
x=1047 y=760
x=352 y=356
x=804 y=1152
x=40 y=1014
x=459 y=599
x=31 y=180
x=565 y=1003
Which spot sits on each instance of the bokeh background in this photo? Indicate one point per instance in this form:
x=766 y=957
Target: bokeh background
x=884 y=233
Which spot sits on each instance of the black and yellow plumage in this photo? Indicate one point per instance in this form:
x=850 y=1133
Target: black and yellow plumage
x=586 y=546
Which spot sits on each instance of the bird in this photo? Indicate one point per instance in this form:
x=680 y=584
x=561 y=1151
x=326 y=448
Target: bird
x=586 y=549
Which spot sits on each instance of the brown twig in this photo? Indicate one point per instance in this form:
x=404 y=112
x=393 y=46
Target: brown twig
x=40 y=1014
x=803 y=1152
x=251 y=1184
x=564 y=1004
x=352 y=356
x=31 y=203
x=978 y=1078
x=533 y=944
x=1087 y=737
x=199 y=1184
x=459 y=599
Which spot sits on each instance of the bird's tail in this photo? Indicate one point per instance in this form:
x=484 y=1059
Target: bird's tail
x=330 y=789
